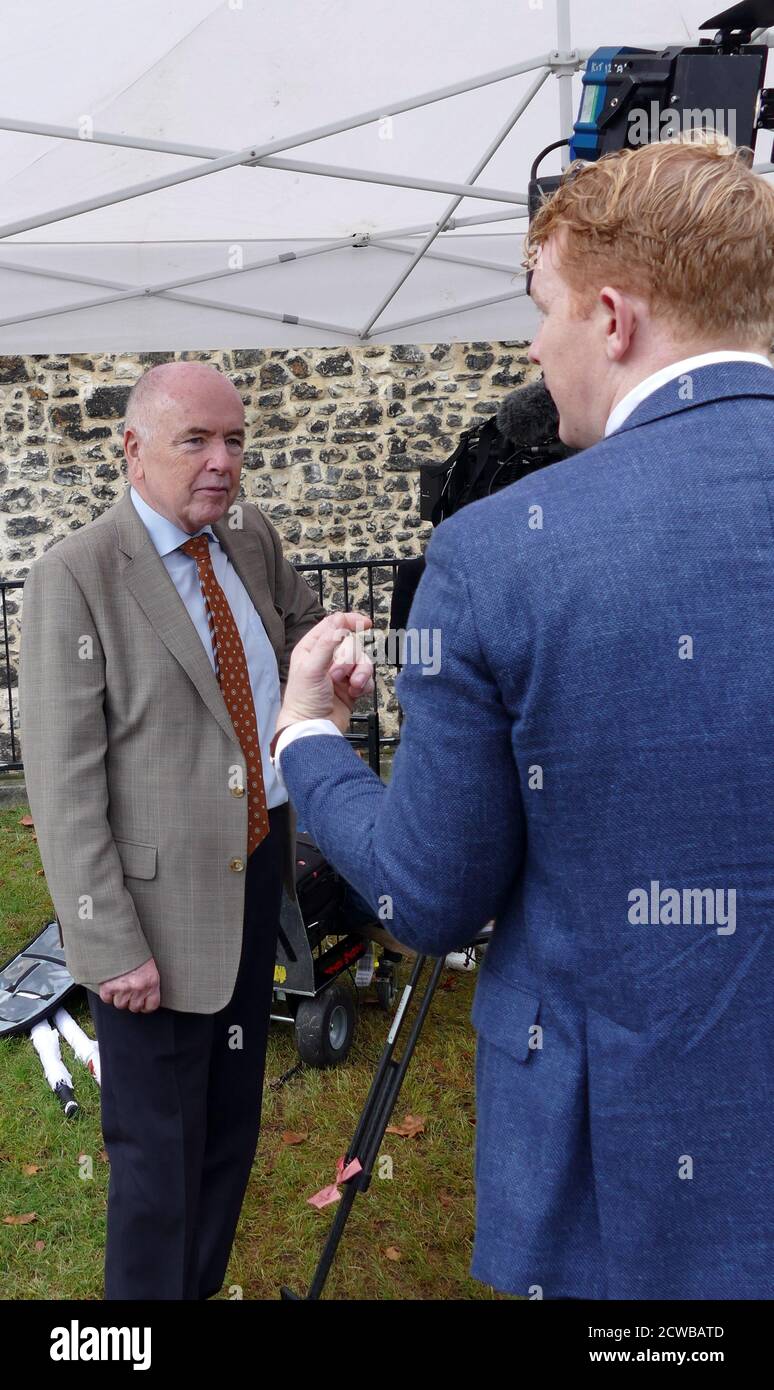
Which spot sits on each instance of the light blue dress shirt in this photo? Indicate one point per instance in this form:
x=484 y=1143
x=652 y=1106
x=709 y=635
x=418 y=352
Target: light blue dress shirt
x=167 y=537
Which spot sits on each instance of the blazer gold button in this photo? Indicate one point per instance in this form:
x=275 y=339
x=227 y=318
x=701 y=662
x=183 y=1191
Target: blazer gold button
x=237 y=865
x=237 y=791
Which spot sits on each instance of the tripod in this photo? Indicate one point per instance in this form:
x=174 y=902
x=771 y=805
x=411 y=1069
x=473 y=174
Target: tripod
x=375 y=1115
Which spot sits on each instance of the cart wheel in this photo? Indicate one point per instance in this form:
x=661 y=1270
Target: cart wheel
x=386 y=985
x=325 y=1027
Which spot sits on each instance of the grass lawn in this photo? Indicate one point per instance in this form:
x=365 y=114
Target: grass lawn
x=422 y=1215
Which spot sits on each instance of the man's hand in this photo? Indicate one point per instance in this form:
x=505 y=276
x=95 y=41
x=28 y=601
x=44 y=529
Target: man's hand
x=329 y=671
x=139 y=990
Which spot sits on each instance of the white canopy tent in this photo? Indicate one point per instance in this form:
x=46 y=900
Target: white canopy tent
x=243 y=173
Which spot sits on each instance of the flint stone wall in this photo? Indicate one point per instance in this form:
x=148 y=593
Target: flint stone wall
x=335 y=439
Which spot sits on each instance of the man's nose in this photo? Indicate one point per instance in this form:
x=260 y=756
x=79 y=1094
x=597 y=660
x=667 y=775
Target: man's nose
x=220 y=459
x=532 y=351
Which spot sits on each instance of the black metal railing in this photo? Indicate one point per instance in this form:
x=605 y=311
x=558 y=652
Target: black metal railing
x=339 y=584
x=14 y=763
x=339 y=592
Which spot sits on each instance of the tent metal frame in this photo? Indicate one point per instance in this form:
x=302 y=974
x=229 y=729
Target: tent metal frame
x=562 y=63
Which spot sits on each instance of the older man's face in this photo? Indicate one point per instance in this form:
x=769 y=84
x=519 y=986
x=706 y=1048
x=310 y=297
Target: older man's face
x=571 y=351
x=189 y=467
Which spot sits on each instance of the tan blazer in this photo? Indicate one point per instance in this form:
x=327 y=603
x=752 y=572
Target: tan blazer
x=129 y=752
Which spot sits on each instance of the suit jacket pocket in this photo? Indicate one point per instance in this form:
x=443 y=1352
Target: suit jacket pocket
x=504 y=1013
x=138 y=860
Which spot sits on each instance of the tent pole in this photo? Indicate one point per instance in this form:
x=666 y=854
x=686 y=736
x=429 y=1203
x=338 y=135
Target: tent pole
x=163 y=289
x=250 y=153
x=343 y=331
x=481 y=164
x=566 y=113
x=450 y=313
x=294 y=166
x=334 y=171
x=419 y=228
x=475 y=261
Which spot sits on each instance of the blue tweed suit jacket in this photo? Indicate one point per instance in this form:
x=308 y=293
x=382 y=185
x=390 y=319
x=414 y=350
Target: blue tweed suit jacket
x=598 y=742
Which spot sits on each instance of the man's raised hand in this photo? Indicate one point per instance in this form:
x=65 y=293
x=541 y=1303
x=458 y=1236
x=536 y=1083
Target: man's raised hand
x=328 y=672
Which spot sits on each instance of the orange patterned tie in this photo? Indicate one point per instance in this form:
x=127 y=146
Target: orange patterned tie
x=234 y=680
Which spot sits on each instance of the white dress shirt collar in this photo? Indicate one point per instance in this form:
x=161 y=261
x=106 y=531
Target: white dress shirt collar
x=652 y=383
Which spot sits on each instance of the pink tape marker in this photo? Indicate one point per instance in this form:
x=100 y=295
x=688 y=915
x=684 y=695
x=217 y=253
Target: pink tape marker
x=330 y=1194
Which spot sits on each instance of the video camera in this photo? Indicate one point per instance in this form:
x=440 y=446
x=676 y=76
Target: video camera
x=634 y=96
x=522 y=437
x=630 y=97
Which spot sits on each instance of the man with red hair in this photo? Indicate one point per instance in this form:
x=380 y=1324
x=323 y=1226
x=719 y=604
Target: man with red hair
x=593 y=764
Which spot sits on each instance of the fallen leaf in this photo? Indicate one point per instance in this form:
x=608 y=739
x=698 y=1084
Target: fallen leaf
x=39 y=872
x=449 y=983
x=445 y=1199
x=290 y=1137
x=40 y=1245
x=409 y=1127
x=30 y=1169
x=20 y=1220
x=103 y=1155
x=392 y=1253
x=26 y=820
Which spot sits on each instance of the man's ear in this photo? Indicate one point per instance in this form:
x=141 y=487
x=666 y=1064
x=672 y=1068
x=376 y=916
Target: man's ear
x=621 y=322
x=131 y=450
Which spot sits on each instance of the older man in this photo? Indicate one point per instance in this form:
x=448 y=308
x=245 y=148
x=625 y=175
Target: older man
x=155 y=645
x=593 y=766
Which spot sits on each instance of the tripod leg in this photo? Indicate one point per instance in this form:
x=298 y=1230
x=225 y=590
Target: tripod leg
x=375 y=1116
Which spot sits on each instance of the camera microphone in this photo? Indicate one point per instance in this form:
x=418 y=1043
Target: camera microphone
x=529 y=417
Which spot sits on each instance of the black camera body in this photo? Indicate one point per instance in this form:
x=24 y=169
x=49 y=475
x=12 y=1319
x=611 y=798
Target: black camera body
x=634 y=96
x=521 y=438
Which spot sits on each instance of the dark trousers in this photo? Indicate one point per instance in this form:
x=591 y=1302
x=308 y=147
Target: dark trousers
x=181 y=1111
